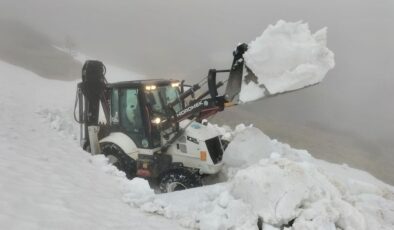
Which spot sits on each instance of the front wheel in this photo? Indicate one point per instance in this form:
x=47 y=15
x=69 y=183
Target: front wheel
x=119 y=159
x=179 y=179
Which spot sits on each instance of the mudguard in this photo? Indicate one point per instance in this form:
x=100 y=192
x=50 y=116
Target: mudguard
x=124 y=142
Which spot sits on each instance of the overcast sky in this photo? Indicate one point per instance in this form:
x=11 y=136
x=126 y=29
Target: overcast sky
x=183 y=39
x=186 y=37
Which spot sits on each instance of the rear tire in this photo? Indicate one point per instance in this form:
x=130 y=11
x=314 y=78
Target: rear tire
x=179 y=179
x=119 y=159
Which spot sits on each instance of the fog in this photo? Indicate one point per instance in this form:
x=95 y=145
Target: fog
x=348 y=118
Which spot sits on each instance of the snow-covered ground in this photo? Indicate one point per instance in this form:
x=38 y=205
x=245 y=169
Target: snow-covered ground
x=48 y=182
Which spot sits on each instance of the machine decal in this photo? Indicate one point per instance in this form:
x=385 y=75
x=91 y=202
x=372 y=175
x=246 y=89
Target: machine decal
x=194 y=140
x=190 y=108
x=195 y=126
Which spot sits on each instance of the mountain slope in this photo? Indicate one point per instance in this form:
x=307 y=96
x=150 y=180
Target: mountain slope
x=23 y=46
x=46 y=180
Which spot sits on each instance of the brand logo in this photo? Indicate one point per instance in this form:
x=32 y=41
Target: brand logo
x=190 y=108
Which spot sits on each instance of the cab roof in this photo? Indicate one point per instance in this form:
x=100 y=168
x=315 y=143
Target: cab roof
x=139 y=83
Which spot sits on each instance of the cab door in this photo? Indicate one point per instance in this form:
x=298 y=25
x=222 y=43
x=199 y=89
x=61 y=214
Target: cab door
x=126 y=114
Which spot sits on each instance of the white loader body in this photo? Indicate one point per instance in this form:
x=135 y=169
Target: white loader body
x=190 y=149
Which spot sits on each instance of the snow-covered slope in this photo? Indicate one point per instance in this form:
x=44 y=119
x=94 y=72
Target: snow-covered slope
x=46 y=180
x=113 y=72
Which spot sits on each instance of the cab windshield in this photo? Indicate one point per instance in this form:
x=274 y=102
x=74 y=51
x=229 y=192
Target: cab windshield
x=161 y=96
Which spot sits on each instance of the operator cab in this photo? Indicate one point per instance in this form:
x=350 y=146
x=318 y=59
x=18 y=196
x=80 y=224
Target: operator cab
x=137 y=108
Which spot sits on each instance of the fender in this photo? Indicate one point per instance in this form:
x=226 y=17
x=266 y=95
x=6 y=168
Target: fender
x=124 y=142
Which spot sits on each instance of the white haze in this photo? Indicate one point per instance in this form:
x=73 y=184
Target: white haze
x=183 y=39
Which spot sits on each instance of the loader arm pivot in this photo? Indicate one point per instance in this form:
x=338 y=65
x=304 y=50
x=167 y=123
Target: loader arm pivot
x=201 y=107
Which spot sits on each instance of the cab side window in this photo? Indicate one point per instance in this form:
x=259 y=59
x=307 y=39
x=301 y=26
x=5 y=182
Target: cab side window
x=130 y=116
x=115 y=107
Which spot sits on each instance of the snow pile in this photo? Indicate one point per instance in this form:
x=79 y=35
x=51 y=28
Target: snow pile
x=240 y=143
x=135 y=192
x=287 y=56
x=295 y=190
x=283 y=187
x=289 y=185
x=209 y=207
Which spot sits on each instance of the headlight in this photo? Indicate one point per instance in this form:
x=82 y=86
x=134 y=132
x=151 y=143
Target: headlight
x=157 y=120
x=150 y=87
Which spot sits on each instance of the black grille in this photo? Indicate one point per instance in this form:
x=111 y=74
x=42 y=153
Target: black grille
x=215 y=149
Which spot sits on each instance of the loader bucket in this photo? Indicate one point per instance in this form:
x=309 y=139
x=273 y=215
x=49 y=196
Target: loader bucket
x=236 y=72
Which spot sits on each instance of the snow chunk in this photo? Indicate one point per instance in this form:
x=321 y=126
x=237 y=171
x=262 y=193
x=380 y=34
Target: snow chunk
x=287 y=56
x=281 y=190
x=209 y=207
x=137 y=191
x=240 y=151
x=249 y=145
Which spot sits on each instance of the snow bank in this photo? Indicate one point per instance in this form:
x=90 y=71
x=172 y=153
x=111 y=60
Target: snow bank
x=283 y=187
x=46 y=180
x=209 y=207
x=290 y=184
x=295 y=190
x=287 y=56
